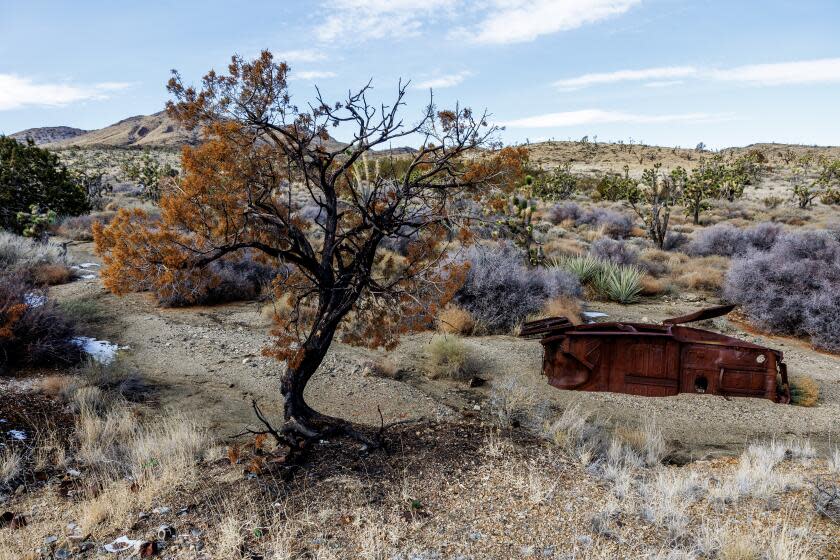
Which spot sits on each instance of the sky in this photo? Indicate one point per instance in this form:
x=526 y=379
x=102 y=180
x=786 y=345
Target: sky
x=666 y=72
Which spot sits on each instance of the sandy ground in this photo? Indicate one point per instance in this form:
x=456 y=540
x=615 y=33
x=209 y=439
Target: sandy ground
x=207 y=361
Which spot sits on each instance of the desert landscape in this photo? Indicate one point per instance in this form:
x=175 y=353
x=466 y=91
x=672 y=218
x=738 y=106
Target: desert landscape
x=344 y=324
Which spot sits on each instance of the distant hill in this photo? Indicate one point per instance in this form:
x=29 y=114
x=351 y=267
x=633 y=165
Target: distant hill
x=153 y=131
x=48 y=134
x=141 y=131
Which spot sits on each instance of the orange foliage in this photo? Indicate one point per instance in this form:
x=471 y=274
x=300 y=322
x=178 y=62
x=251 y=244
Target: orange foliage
x=241 y=191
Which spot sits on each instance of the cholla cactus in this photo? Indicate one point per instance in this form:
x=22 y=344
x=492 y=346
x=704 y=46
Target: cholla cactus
x=36 y=222
x=519 y=213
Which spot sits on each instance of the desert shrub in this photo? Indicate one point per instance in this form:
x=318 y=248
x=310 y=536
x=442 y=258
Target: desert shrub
x=674 y=241
x=31 y=176
x=78 y=228
x=615 y=224
x=501 y=291
x=87 y=313
x=33 y=331
x=557 y=184
x=727 y=240
x=614 y=251
x=772 y=202
x=448 y=357
x=560 y=213
x=227 y=280
x=33 y=262
x=792 y=288
x=454 y=320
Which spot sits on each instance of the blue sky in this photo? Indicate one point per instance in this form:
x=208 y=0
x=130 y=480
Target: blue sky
x=670 y=72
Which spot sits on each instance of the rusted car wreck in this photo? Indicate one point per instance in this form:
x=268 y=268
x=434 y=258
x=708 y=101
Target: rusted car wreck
x=658 y=360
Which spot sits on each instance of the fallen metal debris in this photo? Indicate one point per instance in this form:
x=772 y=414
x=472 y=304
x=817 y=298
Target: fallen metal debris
x=658 y=360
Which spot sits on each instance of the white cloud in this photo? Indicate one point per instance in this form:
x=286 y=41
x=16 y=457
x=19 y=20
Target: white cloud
x=598 y=116
x=301 y=55
x=312 y=75
x=517 y=21
x=446 y=81
x=660 y=73
x=664 y=83
x=19 y=91
x=826 y=70
x=353 y=20
x=489 y=21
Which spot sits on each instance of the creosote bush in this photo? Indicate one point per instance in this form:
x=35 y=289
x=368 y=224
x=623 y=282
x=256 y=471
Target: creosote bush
x=500 y=290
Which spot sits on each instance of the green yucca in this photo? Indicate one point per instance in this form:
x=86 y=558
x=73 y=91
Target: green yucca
x=584 y=267
x=618 y=283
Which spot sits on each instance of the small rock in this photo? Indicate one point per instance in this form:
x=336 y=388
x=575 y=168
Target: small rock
x=50 y=539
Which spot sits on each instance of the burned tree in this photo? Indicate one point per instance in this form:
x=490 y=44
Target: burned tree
x=269 y=181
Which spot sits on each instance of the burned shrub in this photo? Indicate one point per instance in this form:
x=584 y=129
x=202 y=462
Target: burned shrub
x=727 y=240
x=33 y=330
x=614 y=251
x=792 y=287
x=500 y=290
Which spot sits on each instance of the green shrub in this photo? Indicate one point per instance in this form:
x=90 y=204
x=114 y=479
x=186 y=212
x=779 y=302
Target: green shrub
x=31 y=176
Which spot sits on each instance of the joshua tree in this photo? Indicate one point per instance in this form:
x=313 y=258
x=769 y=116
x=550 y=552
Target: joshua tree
x=653 y=198
x=244 y=188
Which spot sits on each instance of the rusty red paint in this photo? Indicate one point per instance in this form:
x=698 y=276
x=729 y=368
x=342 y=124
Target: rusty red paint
x=658 y=360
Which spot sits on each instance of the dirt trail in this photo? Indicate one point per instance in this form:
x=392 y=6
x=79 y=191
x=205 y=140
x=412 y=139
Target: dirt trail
x=208 y=362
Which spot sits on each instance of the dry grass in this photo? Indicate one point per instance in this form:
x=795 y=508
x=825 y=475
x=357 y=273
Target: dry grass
x=447 y=356
x=804 y=390
x=562 y=307
x=11 y=465
x=455 y=320
x=383 y=367
x=653 y=286
x=647 y=442
x=51 y=274
x=703 y=273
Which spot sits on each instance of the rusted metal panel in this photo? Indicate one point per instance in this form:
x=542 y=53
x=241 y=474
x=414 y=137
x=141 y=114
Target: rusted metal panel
x=658 y=360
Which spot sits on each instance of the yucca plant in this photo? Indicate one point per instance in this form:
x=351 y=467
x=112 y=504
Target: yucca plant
x=584 y=267
x=618 y=283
